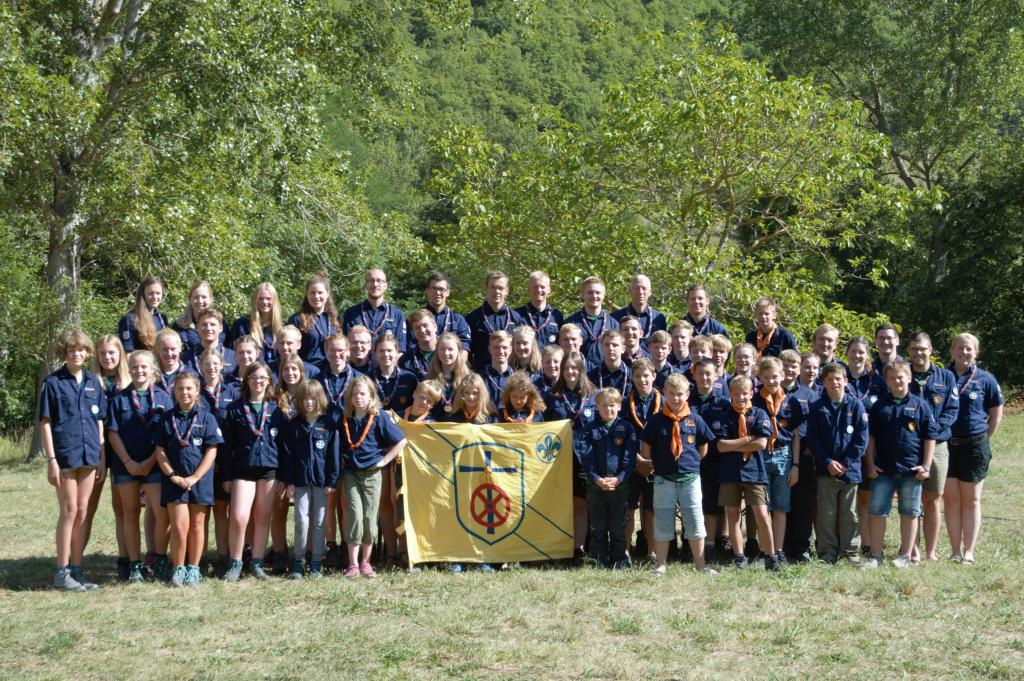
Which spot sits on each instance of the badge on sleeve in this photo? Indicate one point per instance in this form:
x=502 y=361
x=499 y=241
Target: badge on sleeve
x=937 y=399
x=690 y=439
x=588 y=412
x=972 y=395
x=273 y=432
x=849 y=429
x=320 y=444
x=197 y=441
x=95 y=409
x=911 y=426
x=553 y=338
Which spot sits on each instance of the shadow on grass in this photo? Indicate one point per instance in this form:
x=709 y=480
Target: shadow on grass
x=35 y=573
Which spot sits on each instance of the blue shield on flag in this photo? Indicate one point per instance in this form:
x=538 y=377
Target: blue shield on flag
x=490 y=489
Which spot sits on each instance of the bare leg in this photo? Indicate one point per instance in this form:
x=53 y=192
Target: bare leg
x=954 y=519
x=131 y=506
x=970 y=495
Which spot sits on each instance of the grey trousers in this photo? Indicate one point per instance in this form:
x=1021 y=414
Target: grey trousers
x=310 y=509
x=837 y=504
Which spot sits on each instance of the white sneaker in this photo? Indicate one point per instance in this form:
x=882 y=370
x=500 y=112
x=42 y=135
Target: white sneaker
x=902 y=562
x=871 y=563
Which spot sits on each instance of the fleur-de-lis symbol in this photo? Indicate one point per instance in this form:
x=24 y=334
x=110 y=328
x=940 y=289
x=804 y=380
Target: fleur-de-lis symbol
x=549 y=447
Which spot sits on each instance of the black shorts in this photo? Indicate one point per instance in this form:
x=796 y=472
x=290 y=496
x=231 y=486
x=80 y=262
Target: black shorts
x=579 y=480
x=709 y=486
x=641 y=489
x=969 y=458
x=256 y=473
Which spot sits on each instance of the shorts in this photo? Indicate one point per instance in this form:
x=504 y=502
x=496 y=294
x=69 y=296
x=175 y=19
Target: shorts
x=778 y=464
x=73 y=469
x=909 y=489
x=936 y=481
x=255 y=473
x=709 y=485
x=688 y=496
x=641 y=489
x=201 y=493
x=579 y=480
x=969 y=458
x=153 y=477
x=754 y=493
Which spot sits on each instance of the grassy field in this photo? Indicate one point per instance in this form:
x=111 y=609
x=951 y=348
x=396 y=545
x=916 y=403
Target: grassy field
x=937 y=621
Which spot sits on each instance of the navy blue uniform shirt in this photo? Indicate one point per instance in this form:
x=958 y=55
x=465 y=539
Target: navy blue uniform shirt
x=607 y=451
x=133 y=416
x=74 y=410
x=937 y=387
x=732 y=466
x=780 y=340
x=545 y=324
x=130 y=337
x=312 y=349
x=483 y=321
x=395 y=391
x=251 y=439
x=706 y=327
x=693 y=432
x=382 y=436
x=591 y=329
x=978 y=392
x=838 y=433
x=309 y=455
x=378 y=320
x=620 y=378
x=185 y=437
x=650 y=320
x=899 y=428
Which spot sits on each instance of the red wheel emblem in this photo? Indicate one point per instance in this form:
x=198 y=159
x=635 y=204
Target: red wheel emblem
x=489 y=505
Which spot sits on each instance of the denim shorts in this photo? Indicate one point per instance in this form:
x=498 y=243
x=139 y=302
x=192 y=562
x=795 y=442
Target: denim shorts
x=688 y=496
x=778 y=464
x=884 y=486
x=154 y=476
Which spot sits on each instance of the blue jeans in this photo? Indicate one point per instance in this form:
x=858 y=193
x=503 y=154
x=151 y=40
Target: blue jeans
x=778 y=463
x=885 y=486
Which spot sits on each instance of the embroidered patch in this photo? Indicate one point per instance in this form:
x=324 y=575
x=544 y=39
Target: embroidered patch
x=972 y=395
x=197 y=441
x=937 y=399
x=588 y=412
x=126 y=335
x=849 y=429
x=782 y=423
x=620 y=441
x=403 y=399
x=690 y=439
x=911 y=426
x=273 y=432
x=552 y=338
x=95 y=409
x=690 y=422
x=320 y=444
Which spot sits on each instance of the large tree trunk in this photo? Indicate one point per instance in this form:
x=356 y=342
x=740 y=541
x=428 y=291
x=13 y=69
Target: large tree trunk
x=63 y=279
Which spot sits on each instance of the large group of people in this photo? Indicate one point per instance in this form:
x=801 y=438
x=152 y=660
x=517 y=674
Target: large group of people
x=673 y=425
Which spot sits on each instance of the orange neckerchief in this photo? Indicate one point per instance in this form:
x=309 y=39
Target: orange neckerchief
x=763 y=340
x=470 y=418
x=677 y=440
x=366 y=430
x=773 y=402
x=741 y=428
x=509 y=419
x=421 y=417
x=632 y=407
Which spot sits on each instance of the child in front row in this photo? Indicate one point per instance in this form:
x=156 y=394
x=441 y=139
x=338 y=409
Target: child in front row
x=369 y=441
x=426 y=395
x=308 y=466
x=607 y=446
x=901 y=443
x=186 y=446
x=837 y=433
x=742 y=474
x=672 y=445
x=472 y=402
x=72 y=406
x=642 y=403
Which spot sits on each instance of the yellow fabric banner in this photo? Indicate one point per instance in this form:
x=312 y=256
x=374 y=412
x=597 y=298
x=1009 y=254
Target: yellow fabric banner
x=493 y=493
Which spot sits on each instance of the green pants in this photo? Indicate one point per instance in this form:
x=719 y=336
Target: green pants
x=837 y=502
x=362 y=503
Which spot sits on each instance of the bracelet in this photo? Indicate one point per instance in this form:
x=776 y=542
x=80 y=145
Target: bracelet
x=50 y=458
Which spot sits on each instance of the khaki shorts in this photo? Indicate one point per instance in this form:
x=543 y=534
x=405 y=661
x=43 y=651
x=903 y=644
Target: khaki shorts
x=730 y=494
x=936 y=481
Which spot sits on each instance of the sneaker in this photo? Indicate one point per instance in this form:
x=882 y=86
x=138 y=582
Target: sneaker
x=486 y=567
x=351 y=571
x=771 y=563
x=281 y=562
x=148 y=563
x=76 y=572
x=781 y=557
x=297 y=571
x=161 y=567
x=956 y=558
x=871 y=563
x=179 y=576
x=234 y=570
x=222 y=566
x=623 y=564
x=455 y=568
x=902 y=562
x=366 y=570
x=659 y=571
x=315 y=570
x=123 y=569
x=739 y=561
x=135 y=573
x=708 y=570
x=194 y=576
x=63 y=581
x=257 y=571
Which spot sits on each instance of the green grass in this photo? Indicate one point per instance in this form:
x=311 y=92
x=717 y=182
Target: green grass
x=938 y=621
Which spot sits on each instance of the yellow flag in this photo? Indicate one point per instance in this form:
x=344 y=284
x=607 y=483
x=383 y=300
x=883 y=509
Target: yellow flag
x=487 y=493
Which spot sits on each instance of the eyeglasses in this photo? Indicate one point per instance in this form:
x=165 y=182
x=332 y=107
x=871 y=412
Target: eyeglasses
x=259 y=378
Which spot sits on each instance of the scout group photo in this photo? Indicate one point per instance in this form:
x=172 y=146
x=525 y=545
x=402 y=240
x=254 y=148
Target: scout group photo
x=493 y=339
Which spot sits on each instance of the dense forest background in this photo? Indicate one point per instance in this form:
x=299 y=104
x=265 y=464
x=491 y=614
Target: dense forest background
x=856 y=160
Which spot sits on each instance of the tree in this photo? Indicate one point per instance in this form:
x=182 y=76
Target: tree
x=944 y=82
x=136 y=132
x=703 y=168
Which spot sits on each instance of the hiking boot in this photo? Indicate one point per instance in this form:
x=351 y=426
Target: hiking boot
x=771 y=563
x=135 y=573
x=297 y=572
x=179 y=576
x=315 y=569
x=76 y=572
x=257 y=571
x=739 y=561
x=123 y=569
x=63 y=581
x=234 y=571
x=161 y=568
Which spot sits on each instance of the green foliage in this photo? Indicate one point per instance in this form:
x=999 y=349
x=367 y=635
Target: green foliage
x=702 y=168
